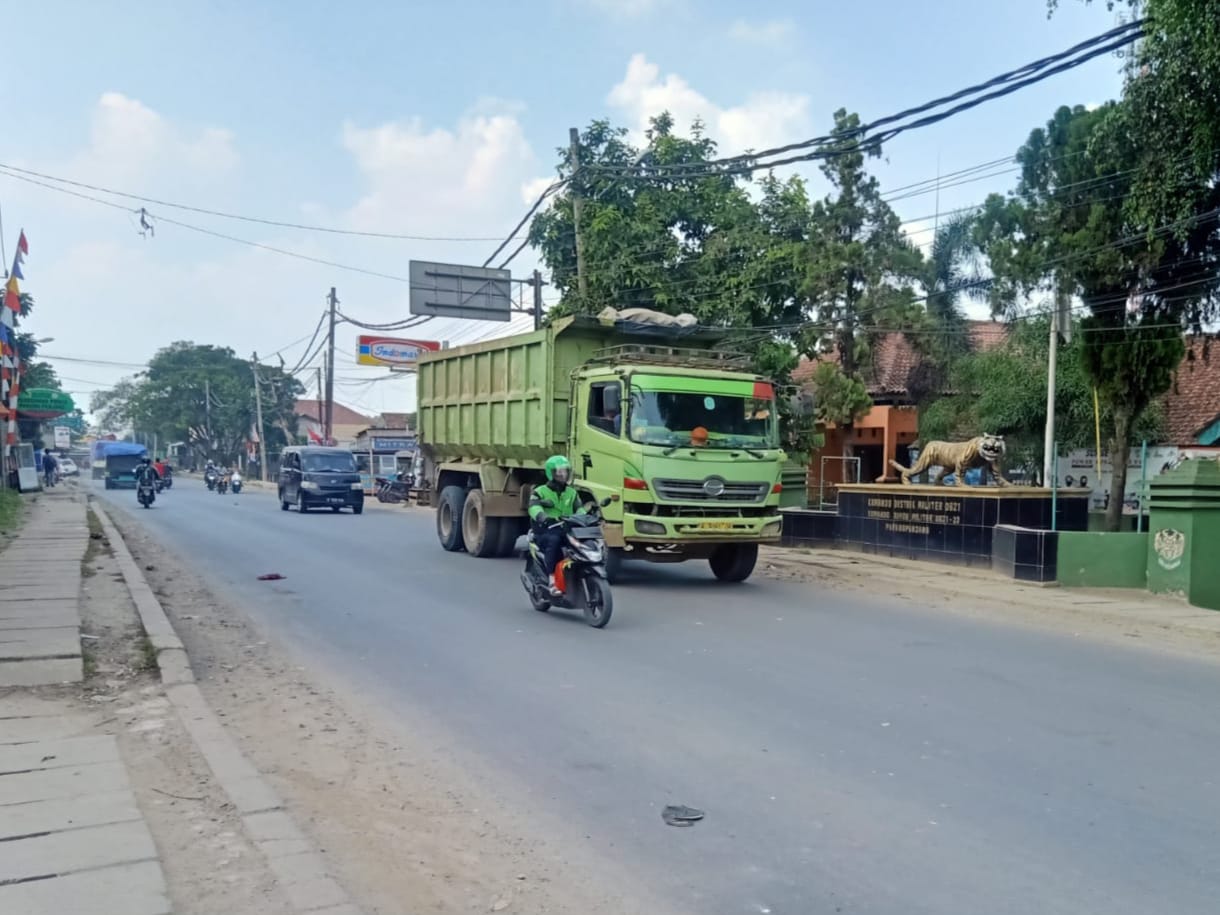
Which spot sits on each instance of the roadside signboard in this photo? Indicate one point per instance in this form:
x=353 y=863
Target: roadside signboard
x=63 y=437
x=392 y=352
x=460 y=291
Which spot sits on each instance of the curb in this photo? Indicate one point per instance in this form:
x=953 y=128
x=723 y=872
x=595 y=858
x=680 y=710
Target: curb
x=299 y=869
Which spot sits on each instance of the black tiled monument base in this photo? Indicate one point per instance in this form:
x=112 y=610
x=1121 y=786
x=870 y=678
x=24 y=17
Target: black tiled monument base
x=949 y=523
x=1025 y=554
x=805 y=527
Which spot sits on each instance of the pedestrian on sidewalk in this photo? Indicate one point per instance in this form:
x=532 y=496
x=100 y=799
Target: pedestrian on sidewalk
x=48 y=468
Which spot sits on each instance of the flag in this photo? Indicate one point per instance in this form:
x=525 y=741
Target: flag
x=12 y=295
x=16 y=271
x=22 y=245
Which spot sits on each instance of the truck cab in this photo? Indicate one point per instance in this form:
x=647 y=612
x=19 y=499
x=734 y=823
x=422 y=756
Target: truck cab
x=687 y=449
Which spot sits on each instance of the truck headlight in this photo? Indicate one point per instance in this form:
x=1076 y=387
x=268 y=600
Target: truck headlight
x=650 y=527
x=770 y=530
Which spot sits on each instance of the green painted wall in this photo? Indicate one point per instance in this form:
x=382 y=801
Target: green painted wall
x=1102 y=560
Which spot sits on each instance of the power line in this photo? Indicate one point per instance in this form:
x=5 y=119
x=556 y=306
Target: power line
x=330 y=230
x=1001 y=85
x=524 y=219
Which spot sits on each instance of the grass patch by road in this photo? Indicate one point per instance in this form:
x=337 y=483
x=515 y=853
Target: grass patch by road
x=97 y=543
x=10 y=510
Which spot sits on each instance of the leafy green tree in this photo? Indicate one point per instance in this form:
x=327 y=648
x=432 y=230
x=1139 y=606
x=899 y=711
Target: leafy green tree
x=862 y=269
x=203 y=395
x=1069 y=230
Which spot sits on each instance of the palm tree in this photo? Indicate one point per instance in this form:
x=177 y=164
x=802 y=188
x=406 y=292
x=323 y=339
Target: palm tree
x=953 y=271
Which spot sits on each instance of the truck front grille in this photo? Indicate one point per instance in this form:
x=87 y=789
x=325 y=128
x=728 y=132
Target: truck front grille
x=712 y=489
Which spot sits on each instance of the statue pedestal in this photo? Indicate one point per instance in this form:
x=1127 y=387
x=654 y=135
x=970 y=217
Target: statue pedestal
x=958 y=524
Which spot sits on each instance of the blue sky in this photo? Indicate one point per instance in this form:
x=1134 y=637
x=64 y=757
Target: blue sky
x=432 y=119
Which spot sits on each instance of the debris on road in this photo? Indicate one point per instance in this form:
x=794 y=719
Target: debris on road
x=681 y=815
x=271 y=576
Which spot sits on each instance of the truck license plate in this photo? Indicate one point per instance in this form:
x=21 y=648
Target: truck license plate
x=716 y=526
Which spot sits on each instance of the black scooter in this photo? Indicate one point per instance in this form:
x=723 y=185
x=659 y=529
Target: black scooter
x=210 y=477
x=146 y=492
x=580 y=575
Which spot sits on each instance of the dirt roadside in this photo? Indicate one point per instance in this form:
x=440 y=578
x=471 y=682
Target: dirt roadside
x=210 y=865
x=404 y=823
x=1115 y=616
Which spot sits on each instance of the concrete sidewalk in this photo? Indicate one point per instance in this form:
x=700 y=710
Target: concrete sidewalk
x=39 y=594
x=72 y=835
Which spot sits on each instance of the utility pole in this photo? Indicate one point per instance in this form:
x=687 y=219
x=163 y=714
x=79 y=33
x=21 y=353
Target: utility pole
x=333 y=301
x=582 y=282
x=1059 y=315
x=321 y=421
x=536 y=282
x=207 y=412
x=258 y=417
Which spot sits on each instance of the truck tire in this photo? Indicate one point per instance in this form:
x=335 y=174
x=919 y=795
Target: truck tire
x=510 y=530
x=480 y=533
x=734 y=562
x=449 y=518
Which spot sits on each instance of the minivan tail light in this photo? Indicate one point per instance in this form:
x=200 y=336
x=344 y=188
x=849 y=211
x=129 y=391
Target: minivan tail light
x=634 y=483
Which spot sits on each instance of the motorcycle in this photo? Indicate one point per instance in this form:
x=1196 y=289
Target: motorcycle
x=146 y=492
x=235 y=484
x=210 y=477
x=222 y=485
x=392 y=491
x=167 y=481
x=580 y=574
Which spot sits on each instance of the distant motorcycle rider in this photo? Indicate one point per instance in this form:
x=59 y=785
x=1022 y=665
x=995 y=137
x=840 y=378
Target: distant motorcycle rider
x=146 y=472
x=547 y=533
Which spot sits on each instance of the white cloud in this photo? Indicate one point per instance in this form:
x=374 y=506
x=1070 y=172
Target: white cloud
x=770 y=32
x=433 y=180
x=765 y=119
x=127 y=139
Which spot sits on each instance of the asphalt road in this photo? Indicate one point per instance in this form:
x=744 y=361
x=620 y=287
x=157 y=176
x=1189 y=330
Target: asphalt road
x=852 y=755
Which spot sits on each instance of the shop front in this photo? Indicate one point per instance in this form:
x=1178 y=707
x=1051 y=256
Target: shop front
x=378 y=454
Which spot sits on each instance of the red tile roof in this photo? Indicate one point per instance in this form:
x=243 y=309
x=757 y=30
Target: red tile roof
x=894 y=357
x=1193 y=403
x=341 y=416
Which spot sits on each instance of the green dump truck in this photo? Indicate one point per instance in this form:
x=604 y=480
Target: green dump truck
x=681 y=436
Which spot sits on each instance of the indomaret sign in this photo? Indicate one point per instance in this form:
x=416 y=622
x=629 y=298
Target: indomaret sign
x=392 y=352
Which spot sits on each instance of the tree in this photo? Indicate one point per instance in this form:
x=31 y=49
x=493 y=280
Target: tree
x=203 y=395
x=861 y=268
x=1069 y=230
x=694 y=243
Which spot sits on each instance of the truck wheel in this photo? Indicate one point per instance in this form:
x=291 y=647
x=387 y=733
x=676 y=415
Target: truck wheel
x=481 y=534
x=449 y=518
x=734 y=562
x=510 y=530
x=615 y=557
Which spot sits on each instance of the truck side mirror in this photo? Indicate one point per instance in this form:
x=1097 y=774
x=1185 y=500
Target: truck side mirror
x=606 y=501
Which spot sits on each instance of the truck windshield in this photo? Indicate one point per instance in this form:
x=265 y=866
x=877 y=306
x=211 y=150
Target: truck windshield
x=669 y=418
x=328 y=463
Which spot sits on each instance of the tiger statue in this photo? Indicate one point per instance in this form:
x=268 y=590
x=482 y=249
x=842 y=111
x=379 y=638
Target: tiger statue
x=958 y=457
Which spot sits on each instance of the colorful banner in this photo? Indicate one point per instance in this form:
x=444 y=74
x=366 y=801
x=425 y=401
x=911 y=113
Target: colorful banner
x=392 y=352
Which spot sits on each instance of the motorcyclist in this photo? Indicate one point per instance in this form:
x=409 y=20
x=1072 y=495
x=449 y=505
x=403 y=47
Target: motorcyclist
x=146 y=472
x=548 y=534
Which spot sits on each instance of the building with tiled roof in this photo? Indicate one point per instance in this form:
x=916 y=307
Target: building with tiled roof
x=1192 y=406
x=347 y=423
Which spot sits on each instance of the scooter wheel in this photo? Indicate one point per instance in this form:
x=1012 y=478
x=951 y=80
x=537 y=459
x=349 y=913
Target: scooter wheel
x=539 y=603
x=599 y=603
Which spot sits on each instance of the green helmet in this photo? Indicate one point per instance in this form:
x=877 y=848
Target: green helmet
x=558 y=470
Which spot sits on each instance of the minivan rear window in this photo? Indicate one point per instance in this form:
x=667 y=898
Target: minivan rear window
x=328 y=462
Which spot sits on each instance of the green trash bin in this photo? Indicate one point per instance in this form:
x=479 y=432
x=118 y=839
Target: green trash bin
x=1184 y=531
